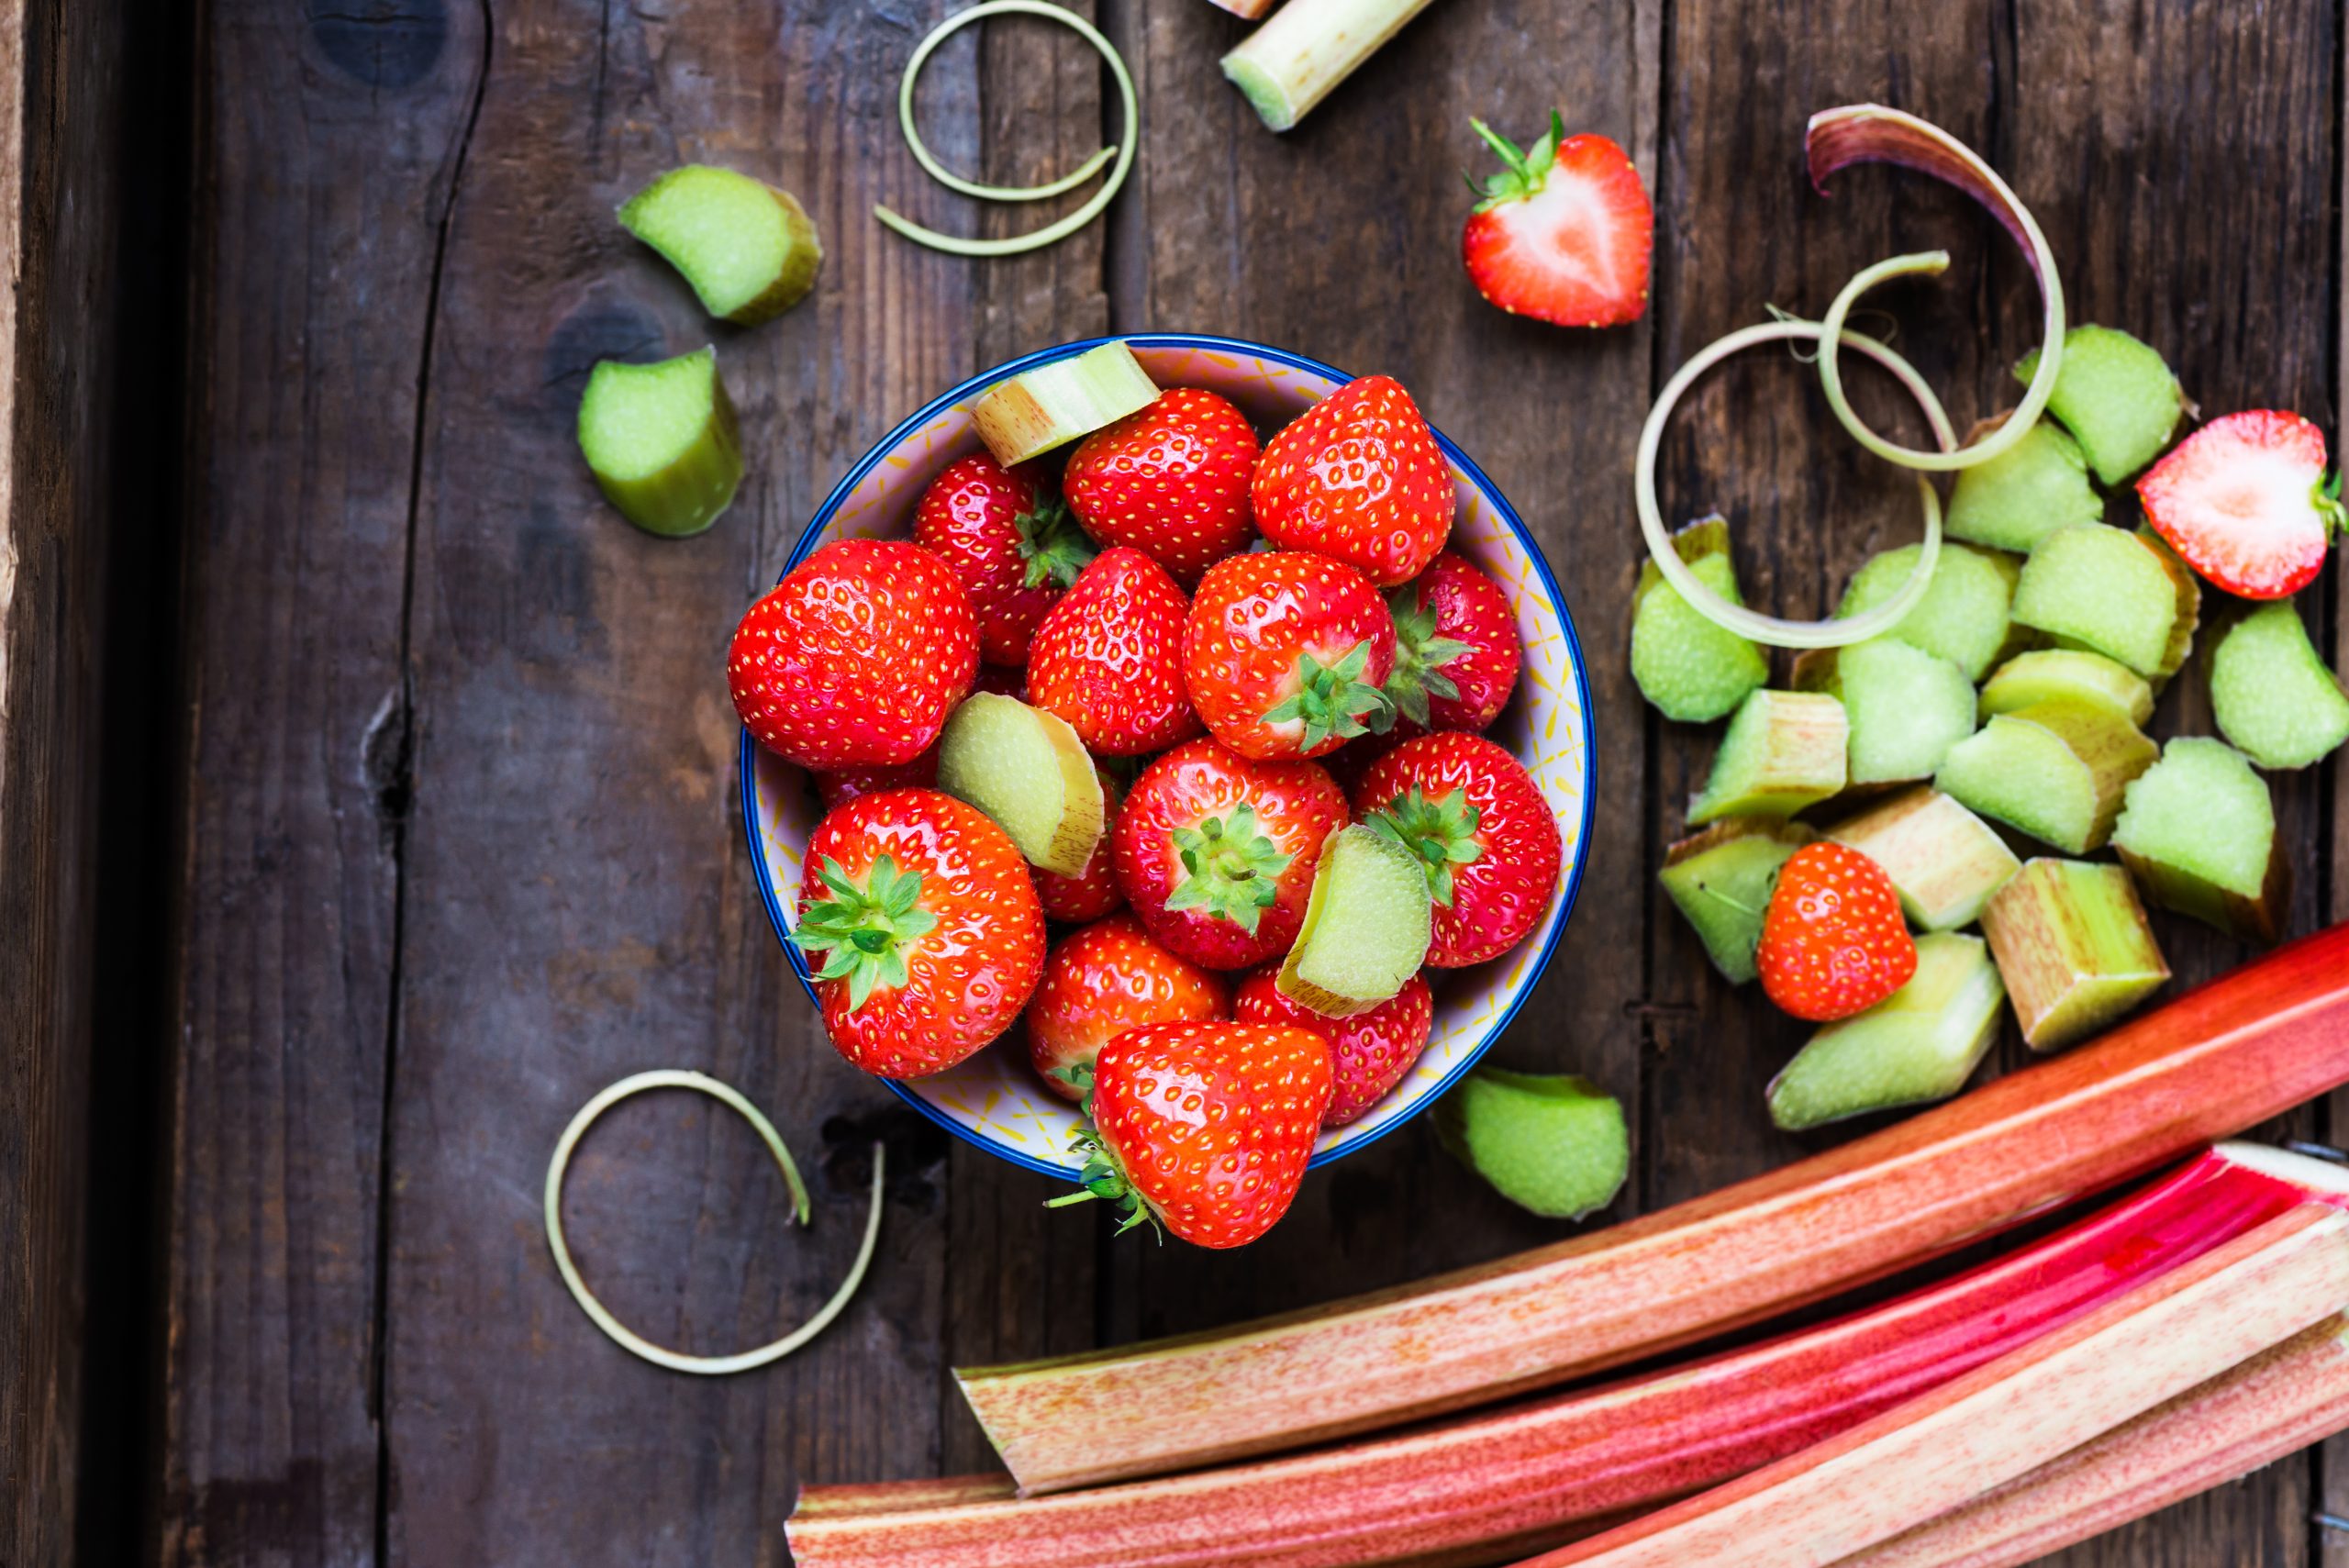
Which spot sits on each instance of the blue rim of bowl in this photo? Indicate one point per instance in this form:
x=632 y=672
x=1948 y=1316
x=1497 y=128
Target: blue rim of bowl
x=747 y=756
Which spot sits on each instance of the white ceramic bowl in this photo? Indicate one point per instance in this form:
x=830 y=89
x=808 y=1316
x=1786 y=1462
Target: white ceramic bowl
x=994 y=1099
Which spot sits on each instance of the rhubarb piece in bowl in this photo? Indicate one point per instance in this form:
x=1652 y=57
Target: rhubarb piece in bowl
x=994 y=1099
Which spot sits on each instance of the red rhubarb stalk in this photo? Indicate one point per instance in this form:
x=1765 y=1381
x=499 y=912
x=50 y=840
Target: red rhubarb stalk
x=1943 y=1450
x=2296 y=1394
x=2208 y=1065
x=1531 y=1476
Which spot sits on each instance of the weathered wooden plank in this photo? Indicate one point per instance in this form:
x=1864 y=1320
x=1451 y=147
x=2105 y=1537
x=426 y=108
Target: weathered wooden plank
x=1341 y=240
x=321 y=183
x=579 y=904
x=60 y=218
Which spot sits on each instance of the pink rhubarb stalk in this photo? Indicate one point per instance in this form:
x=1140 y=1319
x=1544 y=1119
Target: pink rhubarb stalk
x=2296 y=1394
x=1945 y=1449
x=2206 y=1065
x=1520 y=1479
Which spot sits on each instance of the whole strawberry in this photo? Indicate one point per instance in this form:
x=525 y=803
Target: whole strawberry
x=1092 y=892
x=1834 y=942
x=1564 y=233
x=1369 y=1052
x=1358 y=477
x=2245 y=501
x=1216 y=854
x=838 y=789
x=856 y=657
x=1170 y=481
x=920 y=931
x=1108 y=658
x=1284 y=653
x=1477 y=820
x=1456 y=649
x=1104 y=980
x=1015 y=547
x=1205 y=1129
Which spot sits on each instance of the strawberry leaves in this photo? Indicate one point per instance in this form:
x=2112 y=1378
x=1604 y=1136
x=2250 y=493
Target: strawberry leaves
x=1234 y=869
x=1441 y=832
x=1334 y=700
x=860 y=932
x=1053 y=546
x=1522 y=173
x=1420 y=655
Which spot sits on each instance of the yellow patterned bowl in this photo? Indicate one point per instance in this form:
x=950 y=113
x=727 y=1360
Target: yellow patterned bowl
x=994 y=1099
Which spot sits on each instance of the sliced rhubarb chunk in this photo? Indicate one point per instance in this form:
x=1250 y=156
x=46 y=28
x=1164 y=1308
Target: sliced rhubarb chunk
x=2199 y=833
x=2188 y=619
x=1555 y=1145
x=2055 y=770
x=1292 y=62
x=1721 y=881
x=750 y=251
x=1366 y=926
x=2100 y=588
x=1689 y=668
x=1918 y=1045
x=662 y=442
x=1783 y=751
x=1028 y=770
x=2072 y=946
x=2271 y=694
x=1943 y=861
x=2048 y=673
x=2115 y=395
x=1962 y=617
x=1053 y=405
x=2024 y=494
x=1905 y=707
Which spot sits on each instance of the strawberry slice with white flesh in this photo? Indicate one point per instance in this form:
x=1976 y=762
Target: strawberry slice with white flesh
x=1565 y=231
x=2245 y=501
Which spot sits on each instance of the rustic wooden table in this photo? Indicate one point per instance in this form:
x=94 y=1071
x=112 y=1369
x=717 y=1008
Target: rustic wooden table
x=460 y=842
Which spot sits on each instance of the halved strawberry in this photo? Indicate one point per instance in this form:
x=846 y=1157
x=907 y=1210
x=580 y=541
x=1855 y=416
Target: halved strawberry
x=2246 y=502
x=1564 y=232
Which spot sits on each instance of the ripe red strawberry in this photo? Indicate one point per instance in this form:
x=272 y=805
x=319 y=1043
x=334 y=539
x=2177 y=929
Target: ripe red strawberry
x=838 y=789
x=1284 y=653
x=1477 y=820
x=1170 y=481
x=1216 y=853
x=1358 y=477
x=2245 y=501
x=1092 y=892
x=920 y=928
x=1369 y=1052
x=1834 y=942
x=1205 y=1129
x=856 y=657
x=1457 y=650
x=1108 y=658
x=1565 y=231
x=1104 y=980
x=1014 y=546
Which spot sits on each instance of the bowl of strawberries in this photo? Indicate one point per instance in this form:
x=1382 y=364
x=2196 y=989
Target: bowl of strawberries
x=1165 y=763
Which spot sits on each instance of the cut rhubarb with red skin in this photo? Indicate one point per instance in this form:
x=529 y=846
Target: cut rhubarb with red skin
x=1997 y=1423
x=2208 y=1065
x=1535 y=1474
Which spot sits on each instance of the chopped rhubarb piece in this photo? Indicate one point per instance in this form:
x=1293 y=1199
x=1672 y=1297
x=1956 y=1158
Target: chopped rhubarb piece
x=1905 y=707
x=1943 y=861
x=750 y=251
x=1721 y=880
x=2115 y=395
x=1555 y=1145
x=1783 y=751
x=2025 y=493
x=2271 y=694
x=2199 y=833
x=2189 y=607
x=1689 y=668
x=1963 y=616
x=1292 y=62
x=2050 y=672
x=661 y=440
x=1918 y=1045
x=1053 y=405
x=2074 y=949
x=1027 y=769
x=1366 y=926
x=2101 y=588
x=2054 y=769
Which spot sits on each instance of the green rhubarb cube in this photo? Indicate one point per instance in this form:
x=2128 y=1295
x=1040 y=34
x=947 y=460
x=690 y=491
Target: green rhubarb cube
x=2115 y=395
x=2271 y=694
x=1721 y=881
x=1962 y=617
x=2199 y=833
x=1783 y=751
x=2100 y=588
x=1690 y=669
x=2024 y=494
x=2056 y=771
x=1905 y=707
x=1918 y=1045
x=2072 y=945
x=1944 y=862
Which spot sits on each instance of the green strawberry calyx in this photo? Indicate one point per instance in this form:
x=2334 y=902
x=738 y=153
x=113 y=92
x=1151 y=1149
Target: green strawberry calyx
x=1103 y=1176
x=862 y=933
x=1523 y=173
x=1420 y=655
x=1234 y=870
x=1053 y=545
x=2327 y=498
x=1334 y=699
x=1441 y=832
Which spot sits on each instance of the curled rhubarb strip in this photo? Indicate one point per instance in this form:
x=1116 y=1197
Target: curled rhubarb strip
x=1870 y=133
x=1752 y=624
x=1051 y=232
x=621 y=1333
x=1538 y=1472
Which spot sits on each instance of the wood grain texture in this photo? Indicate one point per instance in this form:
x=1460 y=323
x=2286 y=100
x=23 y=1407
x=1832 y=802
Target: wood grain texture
x=323 y=177
x=60 y=212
